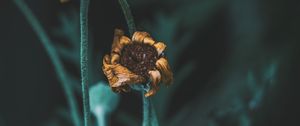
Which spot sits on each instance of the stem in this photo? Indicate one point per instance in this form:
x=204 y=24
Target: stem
x=154 y=121
x=146 y=108
x=84 y=59
x=149 y=115
x=51 y=51
x=128 y=15
x=100 y=116
x=101 y=120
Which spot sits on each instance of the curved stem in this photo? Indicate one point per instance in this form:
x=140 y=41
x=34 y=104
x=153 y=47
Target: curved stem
x=128 y=15
x=51 y=51
x=149 y=115
x=84 y=59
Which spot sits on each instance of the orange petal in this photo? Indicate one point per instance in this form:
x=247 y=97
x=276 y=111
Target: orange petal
x=118 y=75
x=154 y=76
x=149 y=41
x=160 y=47
x=107 y=69
x=115 y=58
x=116 y=46
x=125 y=40
x=106 y=63
x=139 y=36
x=163 y=66
x=155 y=79
x=125 y=76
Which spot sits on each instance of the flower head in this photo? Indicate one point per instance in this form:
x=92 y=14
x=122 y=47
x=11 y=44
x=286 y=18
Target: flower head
x=136 y=61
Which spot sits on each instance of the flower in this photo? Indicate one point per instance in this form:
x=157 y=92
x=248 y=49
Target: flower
x=136 y=61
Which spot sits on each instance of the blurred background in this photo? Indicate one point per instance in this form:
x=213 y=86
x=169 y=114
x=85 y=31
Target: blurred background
x=235 y=62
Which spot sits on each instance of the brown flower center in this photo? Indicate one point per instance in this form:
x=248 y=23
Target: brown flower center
x=139 y=58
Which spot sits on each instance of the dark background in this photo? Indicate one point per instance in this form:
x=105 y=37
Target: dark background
x=242 y=60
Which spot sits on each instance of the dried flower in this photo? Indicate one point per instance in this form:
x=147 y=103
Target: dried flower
x=136 y=61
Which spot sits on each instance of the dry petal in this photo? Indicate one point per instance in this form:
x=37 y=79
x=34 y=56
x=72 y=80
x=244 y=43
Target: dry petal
x=154 y=76
x=163 y=66
x=139 y=36
x=149 y=41
x=160 y=47
x=106 y=63
x=155 y=79
x=115 y=58
x=116 y=46
x=125 y=40
x=107 y=69
x=120 y=77
x=125 y=76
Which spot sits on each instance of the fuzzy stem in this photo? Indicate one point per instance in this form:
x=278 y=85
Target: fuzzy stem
x=128 y=15
x=52 y=53
x=84 y=59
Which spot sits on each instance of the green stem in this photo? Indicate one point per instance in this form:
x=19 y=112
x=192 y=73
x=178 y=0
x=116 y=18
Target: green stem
x=84 y=59
x=146 y=108
x=51 y=51
x=101 y=117
x=149 y=115
x=128 y=15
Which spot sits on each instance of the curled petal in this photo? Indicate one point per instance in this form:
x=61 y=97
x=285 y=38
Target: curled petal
x=107 y=69
x=125 y=76
x=106 y=59
x=125 y=40
x=155 y=79
x=116 y=46
x=163 y=66
x=160 y=47
x=106 y=63
x=154 y=76
x=115 y=58
x=118 y=75
x=139 y=36
x=149 y=41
